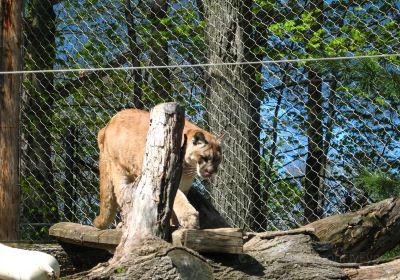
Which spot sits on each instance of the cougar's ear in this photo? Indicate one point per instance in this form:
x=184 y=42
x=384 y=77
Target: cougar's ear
x=199 y=138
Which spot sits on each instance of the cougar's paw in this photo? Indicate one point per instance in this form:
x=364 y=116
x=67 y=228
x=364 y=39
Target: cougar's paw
x=98 y=223
x=190 y=221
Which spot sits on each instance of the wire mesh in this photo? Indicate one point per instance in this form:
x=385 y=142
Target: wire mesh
x=303 y=139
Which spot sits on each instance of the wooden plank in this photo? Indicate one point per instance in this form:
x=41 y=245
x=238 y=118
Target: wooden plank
x=221 y=240
x=86 y=235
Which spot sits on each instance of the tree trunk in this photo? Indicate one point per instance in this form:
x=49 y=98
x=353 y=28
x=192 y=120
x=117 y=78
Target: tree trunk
x=147 y=206
x=69 y=181
x=40 y=99
x=10 y=91
x=329 y=126
x=159 y=49
x=233 y=108
x=134 y=55
x=313 y=181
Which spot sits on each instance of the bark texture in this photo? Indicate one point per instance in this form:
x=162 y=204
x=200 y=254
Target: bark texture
x=147 y=205
x=389 y=271
x=233 y=108
x=313 y=181
x=10 y=90
x=283 y=257
x=362 y=235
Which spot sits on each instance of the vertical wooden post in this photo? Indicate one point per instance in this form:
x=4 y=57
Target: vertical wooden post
x=10 y=90
x=147 y=204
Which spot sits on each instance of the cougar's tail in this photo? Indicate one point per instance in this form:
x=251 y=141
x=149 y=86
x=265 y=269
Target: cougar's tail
x=108 y=202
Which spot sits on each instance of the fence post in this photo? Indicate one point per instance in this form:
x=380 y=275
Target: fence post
x=10 y=90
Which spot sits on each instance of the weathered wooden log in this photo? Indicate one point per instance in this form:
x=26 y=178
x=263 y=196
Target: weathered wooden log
x=294 y=254
x=387 y=270
x=273 y=234
x=221 y=240
x=283 y=257
x=154 y=259
x=363 y=235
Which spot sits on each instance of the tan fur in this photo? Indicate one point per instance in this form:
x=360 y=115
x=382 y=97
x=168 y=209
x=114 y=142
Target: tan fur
x=122 y=143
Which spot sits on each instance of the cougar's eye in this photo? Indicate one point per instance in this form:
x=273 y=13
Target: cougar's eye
x=205 y=159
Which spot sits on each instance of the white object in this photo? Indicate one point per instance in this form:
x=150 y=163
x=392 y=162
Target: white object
x=27 y=265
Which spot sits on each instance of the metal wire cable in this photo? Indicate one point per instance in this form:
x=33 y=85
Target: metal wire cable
x=150 y=67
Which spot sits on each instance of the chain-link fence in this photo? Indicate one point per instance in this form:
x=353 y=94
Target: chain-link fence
x=305 y=136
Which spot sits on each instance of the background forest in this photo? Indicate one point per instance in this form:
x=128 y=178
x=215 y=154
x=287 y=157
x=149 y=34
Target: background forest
x=304 y=138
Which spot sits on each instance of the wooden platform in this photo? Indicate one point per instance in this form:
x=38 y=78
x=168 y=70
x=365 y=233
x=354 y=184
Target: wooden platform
x=86 y=235
x=221 y=240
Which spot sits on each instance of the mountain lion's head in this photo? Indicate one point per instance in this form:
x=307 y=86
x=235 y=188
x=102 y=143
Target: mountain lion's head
x=203 y=153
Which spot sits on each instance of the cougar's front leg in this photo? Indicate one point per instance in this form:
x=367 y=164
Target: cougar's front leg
x=187 y=215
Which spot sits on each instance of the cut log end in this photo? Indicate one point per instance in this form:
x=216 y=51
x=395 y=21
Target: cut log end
x=221 y=240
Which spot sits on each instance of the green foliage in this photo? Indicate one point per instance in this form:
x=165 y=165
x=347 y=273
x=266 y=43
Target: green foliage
x=284 y=205
x=378 y=184
x=119 y=269
x=395 y=252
